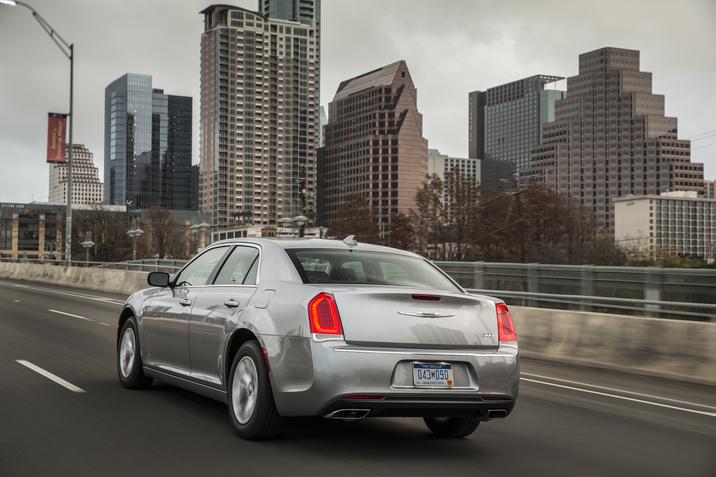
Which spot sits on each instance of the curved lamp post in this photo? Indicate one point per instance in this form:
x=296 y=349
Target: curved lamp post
x=69 y=51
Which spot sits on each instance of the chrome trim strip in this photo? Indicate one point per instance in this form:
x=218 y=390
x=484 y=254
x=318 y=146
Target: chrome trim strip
x=420 y=353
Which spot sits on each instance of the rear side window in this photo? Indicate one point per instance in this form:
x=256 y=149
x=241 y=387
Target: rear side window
x=240 y=268
x=368 y=268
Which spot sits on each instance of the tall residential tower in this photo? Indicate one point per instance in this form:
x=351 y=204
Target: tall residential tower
x=610 y=138
x=259 y=116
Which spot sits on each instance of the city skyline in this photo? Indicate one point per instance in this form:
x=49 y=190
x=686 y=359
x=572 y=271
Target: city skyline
x=492 y=52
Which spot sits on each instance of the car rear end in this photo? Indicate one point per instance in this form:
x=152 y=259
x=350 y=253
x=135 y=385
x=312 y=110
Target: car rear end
x=379 y=349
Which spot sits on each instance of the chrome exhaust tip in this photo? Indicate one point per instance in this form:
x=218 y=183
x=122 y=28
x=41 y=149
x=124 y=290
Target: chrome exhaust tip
x=497 y=413
x=348 y=414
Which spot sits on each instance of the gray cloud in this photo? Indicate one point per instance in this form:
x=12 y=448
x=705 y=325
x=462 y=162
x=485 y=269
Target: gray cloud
x=451 y=46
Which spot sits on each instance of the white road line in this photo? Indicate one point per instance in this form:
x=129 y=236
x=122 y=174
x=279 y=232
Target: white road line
x=633 y=393
x=70 y=314
x=50 y=376
x=16 y=301
x=103 y=324
x=58 y=292
x=642 y=401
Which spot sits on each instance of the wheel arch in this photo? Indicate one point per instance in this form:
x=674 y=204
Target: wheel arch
x=126 y=314
x=237 y=339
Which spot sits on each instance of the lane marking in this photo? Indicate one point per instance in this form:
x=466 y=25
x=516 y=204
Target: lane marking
x=103 y=324
x=58 y=292
x=642 y=401
x=70 y=314
x=50 y=376
x=653 y=396
x=16 y=301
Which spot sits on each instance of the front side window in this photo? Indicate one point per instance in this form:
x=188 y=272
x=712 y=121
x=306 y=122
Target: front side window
x=368 y=268
x=240 y=268
x=197 y=272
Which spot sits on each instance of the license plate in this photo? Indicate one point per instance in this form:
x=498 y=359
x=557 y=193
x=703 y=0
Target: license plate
x=432 y=375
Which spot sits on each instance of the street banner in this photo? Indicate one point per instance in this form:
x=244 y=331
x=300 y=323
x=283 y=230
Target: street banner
x=56 y=127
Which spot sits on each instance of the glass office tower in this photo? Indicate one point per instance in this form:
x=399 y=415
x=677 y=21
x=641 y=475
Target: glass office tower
x=147 y=145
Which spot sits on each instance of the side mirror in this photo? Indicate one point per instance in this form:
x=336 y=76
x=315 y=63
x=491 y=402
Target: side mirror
x=158 y=279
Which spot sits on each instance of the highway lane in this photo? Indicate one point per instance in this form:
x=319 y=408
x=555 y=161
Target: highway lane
x=569 y=420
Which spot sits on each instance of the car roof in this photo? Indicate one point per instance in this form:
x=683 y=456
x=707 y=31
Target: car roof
x=313 y=243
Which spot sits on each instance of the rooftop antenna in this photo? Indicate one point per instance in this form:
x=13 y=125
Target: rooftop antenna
x=350 y=241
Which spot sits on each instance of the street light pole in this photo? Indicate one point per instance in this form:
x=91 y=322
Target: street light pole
x=68 y=49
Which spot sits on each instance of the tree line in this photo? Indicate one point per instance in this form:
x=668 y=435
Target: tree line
x=458 y=220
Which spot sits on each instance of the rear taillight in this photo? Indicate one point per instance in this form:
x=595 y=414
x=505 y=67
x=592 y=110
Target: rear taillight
x=323 y=315
x=505 y=325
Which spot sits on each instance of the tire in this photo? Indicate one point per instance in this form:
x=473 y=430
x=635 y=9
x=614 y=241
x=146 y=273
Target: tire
x=452 y=426
x=260 y=420
x=129 y=363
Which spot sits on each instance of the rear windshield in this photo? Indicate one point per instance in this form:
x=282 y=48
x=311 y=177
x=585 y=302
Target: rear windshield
x=368 y=268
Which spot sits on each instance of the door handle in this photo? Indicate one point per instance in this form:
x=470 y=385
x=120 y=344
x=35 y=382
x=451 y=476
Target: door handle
x=232 y=303
x=185 y=302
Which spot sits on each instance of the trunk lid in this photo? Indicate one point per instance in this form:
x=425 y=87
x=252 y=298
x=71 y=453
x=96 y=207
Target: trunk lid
x=413 y=317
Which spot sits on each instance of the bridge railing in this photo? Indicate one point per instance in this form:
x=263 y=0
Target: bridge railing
x=681 y=293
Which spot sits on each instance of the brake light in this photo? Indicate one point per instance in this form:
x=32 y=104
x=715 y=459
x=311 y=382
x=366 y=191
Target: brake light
x=426 y=297
x=323 y=315
x=505 y=325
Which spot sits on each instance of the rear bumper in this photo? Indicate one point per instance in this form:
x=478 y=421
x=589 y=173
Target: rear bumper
x=312 y=378
x=419 y=405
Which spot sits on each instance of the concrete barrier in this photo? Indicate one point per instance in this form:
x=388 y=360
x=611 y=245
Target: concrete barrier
x=683 y=350
x=99 y=279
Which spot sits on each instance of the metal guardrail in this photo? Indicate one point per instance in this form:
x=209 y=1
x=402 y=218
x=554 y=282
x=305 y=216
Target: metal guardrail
x=680 y=293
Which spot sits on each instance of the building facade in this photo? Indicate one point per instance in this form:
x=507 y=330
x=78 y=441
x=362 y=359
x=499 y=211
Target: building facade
x=679 y=223
x=444 y=167
x=259 y=116
x=148 y=145
x=505 y=122
x=86 y=186
x=710 y=189
x=610 y=138
x=31 y=231
x=374 y=144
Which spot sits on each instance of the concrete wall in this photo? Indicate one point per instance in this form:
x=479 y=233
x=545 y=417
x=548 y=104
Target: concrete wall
x=113 y=281
x=674 y=349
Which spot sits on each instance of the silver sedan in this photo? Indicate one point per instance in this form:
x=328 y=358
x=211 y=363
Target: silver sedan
x=310 y=327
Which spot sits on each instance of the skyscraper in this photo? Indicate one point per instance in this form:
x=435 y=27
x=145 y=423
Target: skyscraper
x=147 y=137
x=374 y=144
x=506 y=121
x=610 y=138
x=259 y=116
x=86 y=186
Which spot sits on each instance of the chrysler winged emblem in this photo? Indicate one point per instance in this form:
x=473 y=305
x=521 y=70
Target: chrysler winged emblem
x=425 y=314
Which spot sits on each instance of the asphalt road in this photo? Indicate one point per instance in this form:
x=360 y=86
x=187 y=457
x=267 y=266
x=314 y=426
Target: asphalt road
x=568 y=421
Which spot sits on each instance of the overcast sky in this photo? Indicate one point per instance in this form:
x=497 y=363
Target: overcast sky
x=451 y=47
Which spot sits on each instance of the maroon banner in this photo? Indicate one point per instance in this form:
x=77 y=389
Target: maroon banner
x=56 y=127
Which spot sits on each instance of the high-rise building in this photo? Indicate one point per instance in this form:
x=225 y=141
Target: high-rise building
x=506 y=121
x=445 y=167
x=86 y=186
x=610 y=138
x=147 y=135
x=195 y=187
x=710 y=189
x=374 y=144
x=679 y=223
x=259 y=116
